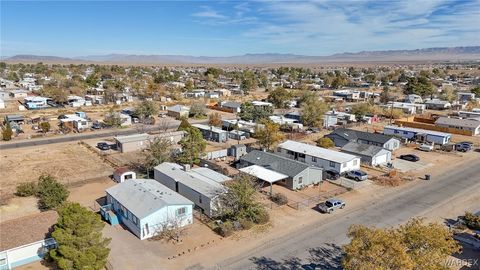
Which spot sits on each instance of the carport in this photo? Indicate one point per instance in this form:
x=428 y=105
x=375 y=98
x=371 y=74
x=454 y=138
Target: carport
x=264 y=174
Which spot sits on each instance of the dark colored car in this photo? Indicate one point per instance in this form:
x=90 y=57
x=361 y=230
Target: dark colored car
x=463 y=147
x=410 y=157
x=332 y=175
x=469 y=144
x=103 y=146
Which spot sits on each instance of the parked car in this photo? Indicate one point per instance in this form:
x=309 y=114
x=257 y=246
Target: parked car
x=357 y=175
x=426 y=147
x=410 y=157
x=470 y=144
x=463 y=147
x=103 y=146
x=97 y=125
x=332 y=175
x=330 y=205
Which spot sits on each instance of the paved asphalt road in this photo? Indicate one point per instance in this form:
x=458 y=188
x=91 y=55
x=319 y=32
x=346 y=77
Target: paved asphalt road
x=79 y=137
x=318 y=246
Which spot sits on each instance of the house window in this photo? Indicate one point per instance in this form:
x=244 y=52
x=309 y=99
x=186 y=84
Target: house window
x=405 y=132
x=301 y=155
x=314 y=159
x=199 y=198
x=332 y=164
x=396 y=132
x=128 y=176
x=134 y=219
x=289 y=152
x=300 y=179
x=3 y=261
x=181 y=211
x=355 y=162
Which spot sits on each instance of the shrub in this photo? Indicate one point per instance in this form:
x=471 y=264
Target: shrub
x=262 y=216
x=26 y=189
x=50 y=192
x=7 y=132
x=225 y=229
x=472 y=221
x=246 y=224
x=325 y=142
x=279 y=199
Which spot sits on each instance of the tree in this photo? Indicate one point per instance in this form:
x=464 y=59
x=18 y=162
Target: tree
x=240 y=202
x=385 y=96
x=420 y=86
x=198 y=110
x=171 y=230
x=448 y=93
x=361 y=109
x=476 y=91
x=50 y=192
x=112 y=119
x=45 y=127
x=325 y=142
x=280 y=97
x=313 y=111
x=248 y=82
x=189 y=85
x=305 y=96
x=268 y=135
x=215 y=119
x=184 y=124
x=7 y=132
x=146 y=109
x=193 y=146
x=415 y=245
x=80 y=243
x=27 y=189
x=372 y=248
x=158 y=151
x=472 y=221
x=248 y=112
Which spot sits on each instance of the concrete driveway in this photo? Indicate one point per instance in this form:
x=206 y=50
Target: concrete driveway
x=406 y=166
x=350 y=183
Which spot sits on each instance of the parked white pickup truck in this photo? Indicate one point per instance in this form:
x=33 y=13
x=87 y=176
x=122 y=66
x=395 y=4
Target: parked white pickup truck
x=426 y=147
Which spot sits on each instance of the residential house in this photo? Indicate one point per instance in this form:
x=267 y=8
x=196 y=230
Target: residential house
x=412 y=98
x=418 y=134
x=246 y=126
x=202 y=186
x=472 y=114
x=15 y=118
x=73 y=120
x=145 y=207
x=196 y=93
x=318 y=156
x=470 y=125
x=19 y=93
x=370 y=154
x=284 y=121
x=330 y=119
x=257 y=103
x=465 y=96
x=299 y=174
x=238 y=135
x=347 y=94
x=342 y=136
x=137 y=142
x=211 y=133
x=36 y=102
x=178 y=111
x=406 y=108
x=297 y=116
x=231 y=105
x=26 y=239
x=212 y=95
x=437 y=104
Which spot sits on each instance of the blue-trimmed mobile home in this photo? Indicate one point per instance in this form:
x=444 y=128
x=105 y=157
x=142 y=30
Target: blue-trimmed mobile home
x=418 y=134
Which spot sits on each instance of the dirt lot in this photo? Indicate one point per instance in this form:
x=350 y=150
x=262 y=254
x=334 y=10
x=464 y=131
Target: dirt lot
x=68 y=162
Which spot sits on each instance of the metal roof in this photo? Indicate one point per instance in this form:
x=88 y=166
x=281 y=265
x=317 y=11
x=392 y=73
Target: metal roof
x=418 y=130
x=209 y=128
x=363 y=149
x=196 y=180
x=275 y=162
x=132 y=138
x=354 y=135
x=317 y=152
x=144 y=197
x=263 y=173
x=457 y=122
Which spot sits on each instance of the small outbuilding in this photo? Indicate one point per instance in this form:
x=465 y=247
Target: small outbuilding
x=370 y=154
x=123 y=173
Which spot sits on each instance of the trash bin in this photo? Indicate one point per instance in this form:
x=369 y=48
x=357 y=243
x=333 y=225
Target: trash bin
x=427 y=176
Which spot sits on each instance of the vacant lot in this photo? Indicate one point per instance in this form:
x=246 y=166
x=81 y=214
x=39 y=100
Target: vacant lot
x=70 y=163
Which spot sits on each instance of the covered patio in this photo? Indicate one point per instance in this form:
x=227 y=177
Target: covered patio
x=264 y=174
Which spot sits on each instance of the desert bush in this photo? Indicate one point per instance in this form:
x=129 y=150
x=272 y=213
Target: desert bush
x=225 y=229
x=51 y=192
x=262 y=216
x=472 y=221
x=325 y=142
x=246 y=224
x=279 y=199
x=26 y=189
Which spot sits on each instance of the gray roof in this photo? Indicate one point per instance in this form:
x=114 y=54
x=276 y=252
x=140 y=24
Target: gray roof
x=209 y=128
x=457 y=122
x=144 y=197
x=207 y=184
x=318 y=152
x=354 y=135
x=231 y=104
x=178 y=108
x=363 y=149
x=132 y=138
x=275 y=162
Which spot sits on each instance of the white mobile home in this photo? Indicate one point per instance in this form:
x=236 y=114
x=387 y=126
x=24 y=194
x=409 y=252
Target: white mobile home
x=318 y=156
x=418 y=134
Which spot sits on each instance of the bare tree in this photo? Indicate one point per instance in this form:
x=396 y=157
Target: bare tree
x=170 y=231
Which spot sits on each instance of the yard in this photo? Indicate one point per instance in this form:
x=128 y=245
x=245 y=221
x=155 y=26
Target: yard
x=70 y=163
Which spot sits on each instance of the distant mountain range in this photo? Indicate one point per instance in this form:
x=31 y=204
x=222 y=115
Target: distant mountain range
x=429 y=54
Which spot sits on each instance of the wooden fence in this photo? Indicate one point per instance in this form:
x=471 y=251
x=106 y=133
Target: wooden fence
x=422 y=125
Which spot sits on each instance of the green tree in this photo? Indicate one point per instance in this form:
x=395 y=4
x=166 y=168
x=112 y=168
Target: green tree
x=184 y=124
x=313 y=111
x=476 y=91
x=45 y=127
x=189 y=85
x=361 y=109
x=420 y=86
x=280 y=97
x=198 y=110
x=448 y=93
x=7 y=132
x=80 y=243
x=51 y=193
x=325 y=142
x=146 y=109
x=158 y=151
x=472 y=221
x=248 y=112
x=193 y=146
x=112 y=119
x=27 y=189
x=385 y=96
x=248 y=83
x=268 y=135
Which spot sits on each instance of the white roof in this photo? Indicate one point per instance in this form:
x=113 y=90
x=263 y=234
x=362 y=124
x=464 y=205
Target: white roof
x=132 y=138
x=263 y=173
x=207 y=127
x=261 y=103
x=418 y=130
x=316 y=151
x=72 y=117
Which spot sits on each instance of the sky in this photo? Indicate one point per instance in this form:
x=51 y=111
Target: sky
x=226 y=28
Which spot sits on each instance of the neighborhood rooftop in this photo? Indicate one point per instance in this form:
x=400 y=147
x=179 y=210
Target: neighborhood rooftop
x=211 y=128
x=316 y=151
x=132 y=138
x=417 y=130
x=458 y=122
x=351 y=134
x=275 y=162
x=362 y=149
x=145 y=196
